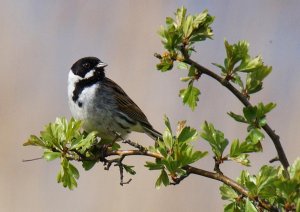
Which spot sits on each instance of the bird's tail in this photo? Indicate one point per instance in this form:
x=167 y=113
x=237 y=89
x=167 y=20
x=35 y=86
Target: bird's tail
x=154 y=134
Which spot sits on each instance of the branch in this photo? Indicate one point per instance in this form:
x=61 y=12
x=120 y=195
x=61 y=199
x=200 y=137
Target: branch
x=233 y=184
x=134 y=152
x=193 y=170
x=274 y=137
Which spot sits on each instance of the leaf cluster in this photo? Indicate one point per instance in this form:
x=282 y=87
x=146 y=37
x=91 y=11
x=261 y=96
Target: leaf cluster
x=185 y=30
x=254 y=116
x=238 y=62
x=65 y=140
x=180 y=32
x=269 y=185
x=238 y=150
x=177 y=152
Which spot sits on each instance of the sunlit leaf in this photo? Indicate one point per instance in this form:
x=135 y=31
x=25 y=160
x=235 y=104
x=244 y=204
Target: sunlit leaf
x=190 y=96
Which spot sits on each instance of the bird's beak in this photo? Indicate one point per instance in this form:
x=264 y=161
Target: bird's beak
x=101 y=65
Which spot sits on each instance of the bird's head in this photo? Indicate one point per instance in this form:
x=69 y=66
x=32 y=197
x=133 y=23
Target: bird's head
x=87 y=66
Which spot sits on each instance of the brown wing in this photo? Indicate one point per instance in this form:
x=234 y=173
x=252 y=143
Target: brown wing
x=126 y=105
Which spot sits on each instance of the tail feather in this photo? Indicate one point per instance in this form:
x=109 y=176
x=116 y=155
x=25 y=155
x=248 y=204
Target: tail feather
x=154 y=134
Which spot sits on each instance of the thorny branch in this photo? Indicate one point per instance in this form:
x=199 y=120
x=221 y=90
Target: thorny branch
x=191 y=170
x=274 y=137
x=143 y=151
x=104 y=152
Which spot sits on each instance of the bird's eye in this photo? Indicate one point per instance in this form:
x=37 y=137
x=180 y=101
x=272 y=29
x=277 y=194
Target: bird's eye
x=86 y=65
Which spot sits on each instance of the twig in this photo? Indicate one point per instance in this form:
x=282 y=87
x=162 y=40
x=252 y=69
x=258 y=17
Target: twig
x=274 y=159
x=134 y=152
x=274 y=137
x=217 y=165
x=176 y=181
x=118 y=162
x=136 y=145
x=33 y=159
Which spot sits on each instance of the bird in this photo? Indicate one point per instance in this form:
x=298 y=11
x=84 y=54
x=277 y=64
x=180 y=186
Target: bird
x=102 y=105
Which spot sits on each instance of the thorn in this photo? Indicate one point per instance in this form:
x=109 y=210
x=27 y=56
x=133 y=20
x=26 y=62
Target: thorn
x=127 y=182
x=274 y=159
x=33 y=159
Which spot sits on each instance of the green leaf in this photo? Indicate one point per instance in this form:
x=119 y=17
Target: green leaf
x=228 y=193
x=250 y=113
x=237 y=117
x=242 y=159
x=167 y=124
x=162 y=179
x=249 y=65
x=84 y=142
x=237 y=153
x=192 y=71
x=251 y=144
x=166 y=64
x=165 y=178
x=298 y=205
x=249 y=207
x=200 y=18
x=169 y=21
x=188 y=26
x=68 y=174
x=34 y=141
x=190 y=96
x=254 y=79
x=87 y=165
x=167 y=135
x=262 y=109
x=197 y=155
x=220 y=66
x=129 y=169
x=254 y=138
x=180 y=16
x=182 y=65
x=188 y=134
x=73 y=171
x=248 y=181
x=72 y=128
x=215 y=138
x=232 y=207
x=294 y=170
x=49 y=156
x=185 y=79
x=237 y=80
x=256 y=135
x=154 y=166
x=235 y=54
x=265 y=180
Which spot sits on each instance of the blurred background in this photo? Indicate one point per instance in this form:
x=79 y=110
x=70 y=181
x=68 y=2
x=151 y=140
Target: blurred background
x=39 y=42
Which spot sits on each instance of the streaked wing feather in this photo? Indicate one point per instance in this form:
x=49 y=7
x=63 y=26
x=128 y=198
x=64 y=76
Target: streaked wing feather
x=127 y=106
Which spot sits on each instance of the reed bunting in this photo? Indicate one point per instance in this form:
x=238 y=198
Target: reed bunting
x=101 y=104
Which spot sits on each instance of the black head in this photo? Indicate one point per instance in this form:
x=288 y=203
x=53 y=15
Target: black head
x=86 y=64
